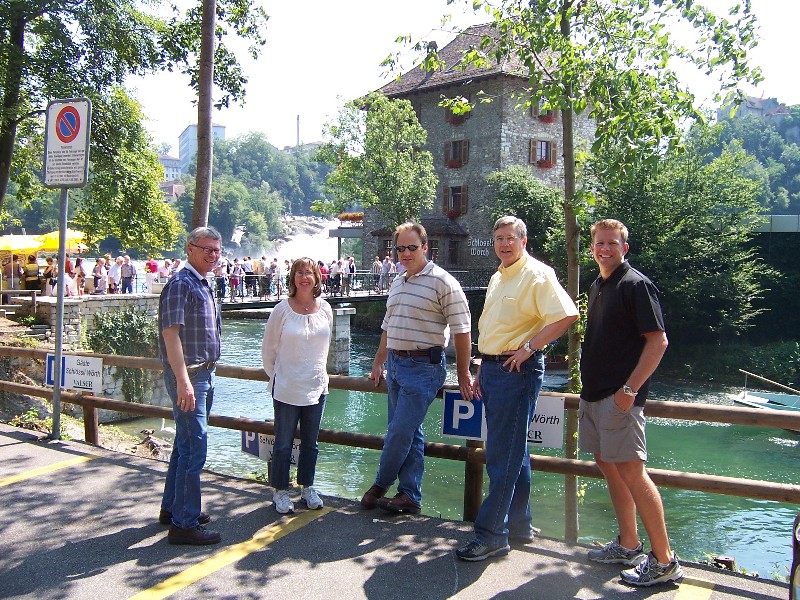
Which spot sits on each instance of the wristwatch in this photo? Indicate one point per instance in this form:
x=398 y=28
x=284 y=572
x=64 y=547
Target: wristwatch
x=628 y=391
x=527 y=347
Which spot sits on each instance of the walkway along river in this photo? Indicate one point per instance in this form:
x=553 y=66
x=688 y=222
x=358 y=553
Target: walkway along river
x=756 y=532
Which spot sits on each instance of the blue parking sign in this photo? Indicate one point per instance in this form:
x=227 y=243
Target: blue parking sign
x=461 y=418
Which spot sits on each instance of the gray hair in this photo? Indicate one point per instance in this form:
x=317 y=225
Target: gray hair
x=200 y=233
x=519 y=224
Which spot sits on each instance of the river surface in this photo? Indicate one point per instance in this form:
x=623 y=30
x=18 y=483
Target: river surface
x=756 y=532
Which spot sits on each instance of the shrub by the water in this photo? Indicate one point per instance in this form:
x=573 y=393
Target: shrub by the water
x=127 y=332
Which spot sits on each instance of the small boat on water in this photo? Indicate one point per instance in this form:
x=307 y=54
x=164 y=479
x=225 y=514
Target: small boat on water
x=768 y=400
x=771 y=400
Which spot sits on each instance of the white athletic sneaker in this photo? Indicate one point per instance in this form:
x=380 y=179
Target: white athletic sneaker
x=283 y=504
x=310 y=496
x=650 y=572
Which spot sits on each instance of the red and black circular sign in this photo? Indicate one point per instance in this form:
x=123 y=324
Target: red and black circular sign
x=68 y=124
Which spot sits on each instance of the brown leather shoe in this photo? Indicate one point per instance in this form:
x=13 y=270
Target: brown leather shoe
x=401 y=503
x=194 y=536
x=370 y=499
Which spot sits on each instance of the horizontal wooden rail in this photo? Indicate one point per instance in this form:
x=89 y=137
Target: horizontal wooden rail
x=666 y=409
x=732 y=486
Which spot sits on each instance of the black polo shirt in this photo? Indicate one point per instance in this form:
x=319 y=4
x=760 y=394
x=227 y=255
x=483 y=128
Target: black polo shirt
x=621 y=310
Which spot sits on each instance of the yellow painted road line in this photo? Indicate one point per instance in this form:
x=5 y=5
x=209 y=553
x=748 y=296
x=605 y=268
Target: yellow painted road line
x=229 y=555
x=44 y=470
x=694 y=589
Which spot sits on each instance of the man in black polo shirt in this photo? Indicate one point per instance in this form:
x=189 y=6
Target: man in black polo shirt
x=623 y=345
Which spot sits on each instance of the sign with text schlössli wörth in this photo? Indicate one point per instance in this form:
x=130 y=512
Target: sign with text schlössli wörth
x=79 y=373
x=467 y=420
x=66 y=143
x=260 y=445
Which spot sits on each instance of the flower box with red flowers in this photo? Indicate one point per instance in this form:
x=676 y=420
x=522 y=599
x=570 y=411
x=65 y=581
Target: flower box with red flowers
x=456 y=119
x=453 y=164
x=543 y=163
x=453 y=213
x=547 y=117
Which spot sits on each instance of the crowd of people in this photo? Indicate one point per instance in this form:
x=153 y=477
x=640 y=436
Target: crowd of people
x=526 y=309
x=109 y=275
x=239 y=278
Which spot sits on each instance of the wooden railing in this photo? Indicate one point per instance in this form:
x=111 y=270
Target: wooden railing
x=472 y=454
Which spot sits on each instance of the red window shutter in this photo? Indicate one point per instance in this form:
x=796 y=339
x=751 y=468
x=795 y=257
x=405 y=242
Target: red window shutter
x=463 y=199
x=464 y=152
x=553 y=152
x=446 y=200
x=532 y=154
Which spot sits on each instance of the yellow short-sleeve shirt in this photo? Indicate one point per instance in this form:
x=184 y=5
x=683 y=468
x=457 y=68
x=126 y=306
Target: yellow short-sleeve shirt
x=521 y=300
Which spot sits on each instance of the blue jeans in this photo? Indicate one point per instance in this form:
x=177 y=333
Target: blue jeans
x=412 y=383
x=509 y=401
x=287 y=417
x=182 y=488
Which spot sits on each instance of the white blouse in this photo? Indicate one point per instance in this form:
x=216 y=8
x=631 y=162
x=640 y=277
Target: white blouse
x=295 y=353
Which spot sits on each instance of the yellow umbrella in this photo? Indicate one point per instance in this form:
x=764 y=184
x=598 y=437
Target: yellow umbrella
x=74 y=239
x=19 y=244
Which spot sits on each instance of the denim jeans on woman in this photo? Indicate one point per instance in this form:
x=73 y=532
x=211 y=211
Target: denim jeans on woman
x=287 y=417
x=412 y=383
x=509 y=401
x=182 y=488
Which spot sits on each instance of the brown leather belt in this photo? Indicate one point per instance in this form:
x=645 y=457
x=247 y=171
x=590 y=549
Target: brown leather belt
x=496 y=357
x=412 y=352
x=208 y=366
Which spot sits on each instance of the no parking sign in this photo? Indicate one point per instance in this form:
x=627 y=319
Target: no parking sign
x=66 y=143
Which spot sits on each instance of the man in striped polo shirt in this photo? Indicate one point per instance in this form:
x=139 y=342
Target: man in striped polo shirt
x=424 y=306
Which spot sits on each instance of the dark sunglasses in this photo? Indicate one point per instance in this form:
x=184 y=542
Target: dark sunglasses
x=411 y=247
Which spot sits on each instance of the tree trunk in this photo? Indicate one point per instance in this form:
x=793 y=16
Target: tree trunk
x=571 y=228
x=10 y=105
x=205 y=137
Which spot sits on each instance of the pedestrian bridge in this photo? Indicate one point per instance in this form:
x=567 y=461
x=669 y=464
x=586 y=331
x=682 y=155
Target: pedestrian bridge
x=81 y=522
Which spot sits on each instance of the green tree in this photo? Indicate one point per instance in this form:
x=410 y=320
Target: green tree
x=123 y=198
x=777 y=157
x=86 y=48
x=375 y=149
x=691 y=218
x=519 y=193
x=612 y=57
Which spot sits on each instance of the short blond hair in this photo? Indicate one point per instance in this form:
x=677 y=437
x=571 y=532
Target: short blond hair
x=611 y=224
x=411 y=226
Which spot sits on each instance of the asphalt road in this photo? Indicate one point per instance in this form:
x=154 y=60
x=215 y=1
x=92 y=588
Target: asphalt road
x=81 y=522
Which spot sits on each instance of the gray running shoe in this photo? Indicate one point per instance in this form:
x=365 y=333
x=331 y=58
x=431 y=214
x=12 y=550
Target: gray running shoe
x=614 y=552
x=649 y=572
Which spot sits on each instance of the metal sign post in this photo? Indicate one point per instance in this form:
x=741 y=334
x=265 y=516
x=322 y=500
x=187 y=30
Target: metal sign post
x=66 y=165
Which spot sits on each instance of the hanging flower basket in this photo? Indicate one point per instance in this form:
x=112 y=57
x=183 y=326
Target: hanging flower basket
x=453 y=213
x=453 y=164
x=543 y=163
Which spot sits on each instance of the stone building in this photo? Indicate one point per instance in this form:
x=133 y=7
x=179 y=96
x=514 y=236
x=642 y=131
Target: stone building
x=466 y=149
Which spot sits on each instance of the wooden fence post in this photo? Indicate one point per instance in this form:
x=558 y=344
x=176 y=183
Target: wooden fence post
x=473 y=483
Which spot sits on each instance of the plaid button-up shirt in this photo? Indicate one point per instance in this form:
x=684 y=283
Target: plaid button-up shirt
x=187 y=300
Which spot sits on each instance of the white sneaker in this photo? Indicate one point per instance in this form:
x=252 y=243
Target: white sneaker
x=310 y=496
x=283 y=504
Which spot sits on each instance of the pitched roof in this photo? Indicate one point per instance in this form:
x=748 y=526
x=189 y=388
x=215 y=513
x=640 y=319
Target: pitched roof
x=419 y=80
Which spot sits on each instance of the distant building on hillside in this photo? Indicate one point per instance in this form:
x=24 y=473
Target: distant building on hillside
x=187 y=143
x=466 y=148
x=172 y=167
x=765 y=108
x=172 y=190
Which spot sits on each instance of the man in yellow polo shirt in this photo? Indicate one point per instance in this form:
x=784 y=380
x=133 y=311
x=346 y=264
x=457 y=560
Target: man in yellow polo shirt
x=526 y=308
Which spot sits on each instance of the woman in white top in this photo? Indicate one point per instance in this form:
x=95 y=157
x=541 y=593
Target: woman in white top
x=295 y=355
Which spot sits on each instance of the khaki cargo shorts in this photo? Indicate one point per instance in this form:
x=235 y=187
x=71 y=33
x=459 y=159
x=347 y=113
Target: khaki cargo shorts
x=614 y=434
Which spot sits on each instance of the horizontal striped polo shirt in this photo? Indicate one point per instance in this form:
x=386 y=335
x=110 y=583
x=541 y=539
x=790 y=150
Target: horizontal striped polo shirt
x=422 y=310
